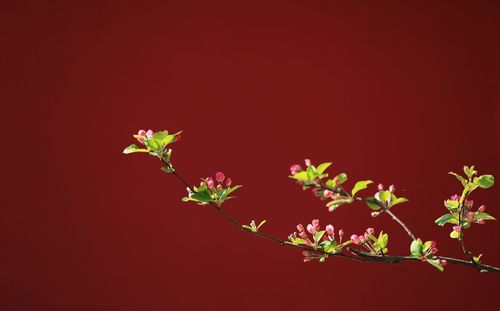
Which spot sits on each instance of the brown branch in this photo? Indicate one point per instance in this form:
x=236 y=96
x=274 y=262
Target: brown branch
x=357 y=254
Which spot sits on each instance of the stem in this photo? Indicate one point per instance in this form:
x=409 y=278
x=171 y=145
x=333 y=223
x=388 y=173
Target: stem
x=401 y=223
x=358 y=255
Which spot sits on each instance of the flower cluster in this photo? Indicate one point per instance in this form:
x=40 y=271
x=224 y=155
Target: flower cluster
x=374 y=245
x=383 y=199
x=426 y=252
x=325 y=240
x=156 y=145
x=212 y=190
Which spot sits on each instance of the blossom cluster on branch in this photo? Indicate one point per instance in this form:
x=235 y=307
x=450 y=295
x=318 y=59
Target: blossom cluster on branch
x=318 y=243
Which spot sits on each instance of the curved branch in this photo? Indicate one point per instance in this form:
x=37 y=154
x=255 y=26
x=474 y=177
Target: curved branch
x=357 y=254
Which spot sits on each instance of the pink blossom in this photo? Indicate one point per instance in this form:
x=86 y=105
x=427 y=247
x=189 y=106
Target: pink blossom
x=295 y=168
x=375 y=214
x=149 y=134
x=311 y=229
x=470 y=215
x=219 y=187
x=392 y=188
x=457 y=228
x=433 y=243
x=423 y=259
x=219 y=176
x=380 y=187
x=315 y=223
x=443 y=262
x=210 y=183
x=300 y=227
x=362 y=239
x=434 y=250
x=355 y=239
x=329 y=229
x=141 y=133
x=370 y=230
x=302 y=234
x=454 y=197
x=341 y=232
x=469 y=203
x=331 y=208
x=308 y=162
x=481 y=208
x=327 y=193
x=229 y=181
x=480 y=221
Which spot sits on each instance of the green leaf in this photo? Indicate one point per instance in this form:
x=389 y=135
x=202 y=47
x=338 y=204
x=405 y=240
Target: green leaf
x=311 y=172
x=300 y=176
x=435 y=264
x=318 y=235
x=202 y=196
x=133 y=148
x=322 y=167
x=484 y=181
x=298 y=241
x=166 y=169
x=446 y=218
x=469 y=171
x=384 y=195
x=247 y=227
x=396 y=200
x=373 y=203
x=416 y=248
x=342 y=178
x=360 y=185
x=460 y=178
x=483 y=215
x=231 y=190
x=426 y=246
x=477 y=259
x=330 y=184
x=454 y=234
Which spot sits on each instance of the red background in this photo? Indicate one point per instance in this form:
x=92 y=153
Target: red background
x=399 y=93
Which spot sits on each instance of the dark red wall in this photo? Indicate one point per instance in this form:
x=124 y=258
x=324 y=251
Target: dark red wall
x=399 y=93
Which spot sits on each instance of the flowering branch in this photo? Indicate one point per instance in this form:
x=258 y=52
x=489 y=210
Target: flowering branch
x=318 y=244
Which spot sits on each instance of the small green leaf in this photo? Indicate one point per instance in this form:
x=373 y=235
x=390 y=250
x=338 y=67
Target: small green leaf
x=469 y=171
x=300 y=176
x=166 y=169
x=231 y=190
x=342 y=178
x=451 y=204
x=484 y=181
x=416 y=248
x=477 y=259
x=446 y=218
x=454 y=234
x=298 y=241
x=396 y=200
x=318 y=235
x=322 y=167
x=202 y=196
x=484 y=216
x=133 y=148
x=384 y=195
x=460 y=178
x=311 y=172
x=360 y=185
x=247 y=227
x=373 y=203
x=426 y=246
x=435 y=264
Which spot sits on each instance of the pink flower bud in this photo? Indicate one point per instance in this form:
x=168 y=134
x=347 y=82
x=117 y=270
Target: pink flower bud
x=329 y=229
x=375 y=214
x=362 y=239
x=219 y=176
x=308 y=162
x=302 y=234
x=229 y=181
x=377 y=196
x=370 y=230
x=392 y=188
x=311 y=229
x=480 y=221
x=331 y=208
x=177 y=138
x=434 y=250
x=327 y=193
x=457 y=228
x=219 y=187
x=355 y=239
x=454 y=197
x=141 y=133
x=341 y=233
x=469 y=203
x=443 y=262
x=315 y=223
x=380 y=187
x=149 y=134
x=295 y=168
x=423 y=259
x=433 y=243
x=481 y=208
x=210 y=183
x=300 y=227
x=470 y=216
